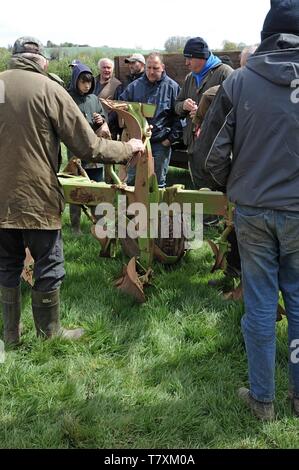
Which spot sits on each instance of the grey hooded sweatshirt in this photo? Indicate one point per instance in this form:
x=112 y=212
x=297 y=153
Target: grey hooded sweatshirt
x=249 y=143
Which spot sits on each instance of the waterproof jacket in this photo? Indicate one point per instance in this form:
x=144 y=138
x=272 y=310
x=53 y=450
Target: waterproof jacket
x=35 y=113
x=166 y=124
x=249 y=140
x=215 y=76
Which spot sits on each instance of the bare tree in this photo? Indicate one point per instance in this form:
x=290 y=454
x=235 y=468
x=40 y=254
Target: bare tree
x=175 y=43
x=232 y=46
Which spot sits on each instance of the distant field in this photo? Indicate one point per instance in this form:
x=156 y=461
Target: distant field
x=103 y=51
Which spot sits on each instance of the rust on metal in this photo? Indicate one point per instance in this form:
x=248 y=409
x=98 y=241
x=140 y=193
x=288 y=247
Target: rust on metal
x=130 y=283
x=82 y=196
x=27 y=273
x=75 y=168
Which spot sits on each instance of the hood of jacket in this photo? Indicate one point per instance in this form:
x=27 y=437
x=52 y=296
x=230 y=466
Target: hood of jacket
x=277 y=59
x=77 y=70
x=21 y=63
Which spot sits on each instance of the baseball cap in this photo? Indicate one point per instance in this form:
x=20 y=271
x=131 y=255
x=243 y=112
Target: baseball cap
x=135 y=58
x=29 y=44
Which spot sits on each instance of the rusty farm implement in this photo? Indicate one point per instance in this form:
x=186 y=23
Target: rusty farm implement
x=150 y=244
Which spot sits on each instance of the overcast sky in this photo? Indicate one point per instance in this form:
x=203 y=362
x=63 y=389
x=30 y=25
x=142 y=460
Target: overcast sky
x=132 y=23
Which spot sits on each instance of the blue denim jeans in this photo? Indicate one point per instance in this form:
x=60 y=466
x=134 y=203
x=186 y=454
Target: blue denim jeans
x=269 y=248
x=161 y=155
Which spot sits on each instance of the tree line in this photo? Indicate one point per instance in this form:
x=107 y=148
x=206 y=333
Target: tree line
x=65 y=44
x=177 y=44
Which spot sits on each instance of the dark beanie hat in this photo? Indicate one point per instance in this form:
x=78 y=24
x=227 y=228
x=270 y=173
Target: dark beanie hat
x=283 y=17
x=197 y=47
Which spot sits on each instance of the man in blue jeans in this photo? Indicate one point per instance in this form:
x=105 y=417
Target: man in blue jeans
x=155 y=87
x=249 y=147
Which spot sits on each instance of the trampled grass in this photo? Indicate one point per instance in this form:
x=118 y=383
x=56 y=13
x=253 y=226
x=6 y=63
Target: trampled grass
x=159 y=375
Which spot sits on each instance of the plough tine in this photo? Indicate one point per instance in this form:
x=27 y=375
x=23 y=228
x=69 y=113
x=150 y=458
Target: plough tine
x=219 y=257
x=107 y=244
x=234 y=294
x=130 y=283
x=280 y=312
x=237 y=294
x=27 y=273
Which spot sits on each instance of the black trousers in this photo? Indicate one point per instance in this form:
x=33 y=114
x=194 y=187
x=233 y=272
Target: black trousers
x=46 y=248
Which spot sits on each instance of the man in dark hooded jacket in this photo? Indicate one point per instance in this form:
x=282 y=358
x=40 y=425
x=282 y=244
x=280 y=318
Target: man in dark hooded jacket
x=249 y=146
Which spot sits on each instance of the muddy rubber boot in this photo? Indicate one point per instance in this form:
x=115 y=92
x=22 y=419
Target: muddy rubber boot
x=75 y=215
x=45 y=308
x=11 y=307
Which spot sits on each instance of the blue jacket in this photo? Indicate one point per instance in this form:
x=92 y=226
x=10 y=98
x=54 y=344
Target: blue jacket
x=166 y=124
x=249 y=141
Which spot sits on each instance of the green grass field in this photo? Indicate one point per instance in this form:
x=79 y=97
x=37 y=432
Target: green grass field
x=159 y=375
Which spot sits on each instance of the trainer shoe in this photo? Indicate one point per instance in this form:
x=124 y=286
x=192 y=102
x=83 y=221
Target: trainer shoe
x=262 y=411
